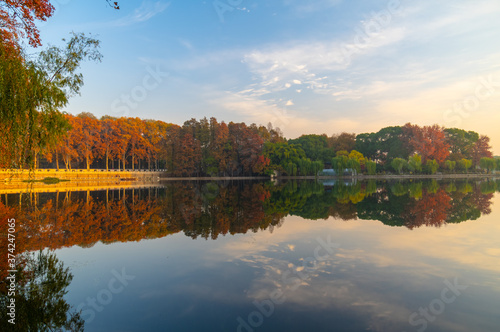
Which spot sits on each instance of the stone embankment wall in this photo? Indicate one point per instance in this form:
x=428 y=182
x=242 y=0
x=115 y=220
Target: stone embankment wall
x=14 y=181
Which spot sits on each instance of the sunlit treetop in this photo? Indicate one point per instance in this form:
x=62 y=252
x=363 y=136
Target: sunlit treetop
x=17 y=20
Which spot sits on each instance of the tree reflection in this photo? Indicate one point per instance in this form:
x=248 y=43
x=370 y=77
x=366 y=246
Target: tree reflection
x=212 y=209
x=41 y=283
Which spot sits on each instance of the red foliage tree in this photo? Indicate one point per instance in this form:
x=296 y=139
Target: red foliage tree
x=429 y=142
x=481 y=149
x=17 y=20
x=187 y=161
x=87 y=137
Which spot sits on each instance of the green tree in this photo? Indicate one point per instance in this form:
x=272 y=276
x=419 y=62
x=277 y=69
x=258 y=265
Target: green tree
x=465 y=164
x=34 y=92
x=314 y=146
x=487 y=164
x=415 y=163
x=386 y=144
x=340 y=163
x=282 y=154
x=450 y=164
x=461 y=142
x=431 y=166
x=398 y=164
x=354 y=165
x=371 y=167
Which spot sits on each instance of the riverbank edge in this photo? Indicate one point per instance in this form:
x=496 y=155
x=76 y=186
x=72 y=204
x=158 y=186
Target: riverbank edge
x=145 y=176
x=396 y=176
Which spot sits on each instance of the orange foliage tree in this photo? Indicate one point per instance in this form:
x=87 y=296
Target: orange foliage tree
x=429 y=142
x=18 y=20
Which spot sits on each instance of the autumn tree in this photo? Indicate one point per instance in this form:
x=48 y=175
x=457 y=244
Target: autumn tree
x=429 y=142
x=122 y=146
x=248 y=146
x=481 y=149
x=222 y=150
x=18 y=18
x=35 y=89
x=87 y=137
x=344 y=141
x=153 y=131
x=169 y=146
x=137 y=143
x=67 y=148
x=187 y=161
x=109 y=139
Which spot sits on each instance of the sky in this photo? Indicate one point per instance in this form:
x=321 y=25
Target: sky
x=306 y=66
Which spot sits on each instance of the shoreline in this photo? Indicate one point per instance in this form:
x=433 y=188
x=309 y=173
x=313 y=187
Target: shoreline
x=10 y=177
x=105 y=183
x=395 y=176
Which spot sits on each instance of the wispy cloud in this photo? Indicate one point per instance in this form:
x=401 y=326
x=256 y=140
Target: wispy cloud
x=145 y=12
x=313 y=64
x=310 y=6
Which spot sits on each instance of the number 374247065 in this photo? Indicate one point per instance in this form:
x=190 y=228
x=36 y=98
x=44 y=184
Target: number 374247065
x=12 y=243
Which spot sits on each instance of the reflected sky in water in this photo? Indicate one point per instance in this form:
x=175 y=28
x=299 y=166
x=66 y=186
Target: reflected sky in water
x=300 y=275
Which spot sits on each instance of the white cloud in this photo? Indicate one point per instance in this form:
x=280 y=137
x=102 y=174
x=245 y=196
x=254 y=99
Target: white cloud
x=254 y=110
x=307 y=62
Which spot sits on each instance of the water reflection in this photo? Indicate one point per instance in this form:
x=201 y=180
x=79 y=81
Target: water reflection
x=32 y=299
x=211 y=209
x=376 y=280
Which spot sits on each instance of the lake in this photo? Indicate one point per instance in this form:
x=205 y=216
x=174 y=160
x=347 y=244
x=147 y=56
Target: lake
x=259 y=256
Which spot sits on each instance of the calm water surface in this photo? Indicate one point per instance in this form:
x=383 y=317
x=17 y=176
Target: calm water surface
x=246 y=256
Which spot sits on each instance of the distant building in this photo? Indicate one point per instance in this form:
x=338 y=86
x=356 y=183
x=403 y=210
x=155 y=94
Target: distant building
x=332 y=172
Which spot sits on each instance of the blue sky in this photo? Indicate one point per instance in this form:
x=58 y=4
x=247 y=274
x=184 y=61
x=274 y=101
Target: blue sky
x=322 y=66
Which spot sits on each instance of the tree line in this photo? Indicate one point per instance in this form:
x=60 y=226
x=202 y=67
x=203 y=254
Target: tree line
x=35 y=132
x=207 y=147
x=198 y=148
x=410 y=148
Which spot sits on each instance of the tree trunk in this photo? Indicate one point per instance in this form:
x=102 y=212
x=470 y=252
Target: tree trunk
x=107 y=161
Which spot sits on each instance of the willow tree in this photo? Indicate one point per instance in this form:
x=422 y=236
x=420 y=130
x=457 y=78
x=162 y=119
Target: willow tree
x=32 y=94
